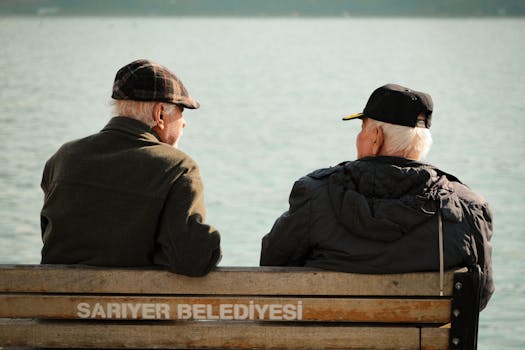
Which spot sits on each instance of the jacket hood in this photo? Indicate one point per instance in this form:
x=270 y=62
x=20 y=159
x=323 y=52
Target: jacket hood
x=383 y=198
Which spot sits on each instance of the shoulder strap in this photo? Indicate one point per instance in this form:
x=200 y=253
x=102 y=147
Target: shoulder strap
x=441 y=259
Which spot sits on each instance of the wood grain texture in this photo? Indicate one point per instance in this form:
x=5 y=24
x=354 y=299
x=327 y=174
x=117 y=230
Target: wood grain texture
x=40 y=306
x=191 y=335
x=435 y=338
x=222 y=281
x=260 y=308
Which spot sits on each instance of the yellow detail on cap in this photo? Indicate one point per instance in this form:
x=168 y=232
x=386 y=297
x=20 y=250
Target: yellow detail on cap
x=352 y=116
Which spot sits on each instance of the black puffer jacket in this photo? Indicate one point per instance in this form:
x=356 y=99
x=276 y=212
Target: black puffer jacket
x=378 y=215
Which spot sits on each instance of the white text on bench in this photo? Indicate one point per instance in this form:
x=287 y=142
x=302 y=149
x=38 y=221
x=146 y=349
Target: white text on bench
x=148 y=311
x=162 y=311
x=250 y=311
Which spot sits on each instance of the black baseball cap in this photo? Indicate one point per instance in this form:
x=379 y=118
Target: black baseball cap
x=396 y=104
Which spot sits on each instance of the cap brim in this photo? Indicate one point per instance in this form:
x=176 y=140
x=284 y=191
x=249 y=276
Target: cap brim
x=353 y=116
x=187 y=102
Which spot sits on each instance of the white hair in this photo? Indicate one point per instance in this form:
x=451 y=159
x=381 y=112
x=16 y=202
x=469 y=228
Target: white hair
x=403 y=140
x=139 y=110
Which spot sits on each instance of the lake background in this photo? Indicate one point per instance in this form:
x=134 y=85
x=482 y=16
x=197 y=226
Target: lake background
x=273 y=91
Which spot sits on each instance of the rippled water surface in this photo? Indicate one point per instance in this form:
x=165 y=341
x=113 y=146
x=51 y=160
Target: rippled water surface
x=272 y=94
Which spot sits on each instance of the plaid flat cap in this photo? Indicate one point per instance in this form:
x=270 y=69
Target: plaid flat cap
x=144 y=80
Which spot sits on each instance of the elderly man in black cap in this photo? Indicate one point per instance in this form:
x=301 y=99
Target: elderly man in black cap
x=385 y=212
x=126 y=196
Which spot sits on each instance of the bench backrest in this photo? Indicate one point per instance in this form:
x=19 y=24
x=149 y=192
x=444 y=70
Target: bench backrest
x=236 y=308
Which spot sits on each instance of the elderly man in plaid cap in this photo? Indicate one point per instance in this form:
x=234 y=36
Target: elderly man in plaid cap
x=127 y=196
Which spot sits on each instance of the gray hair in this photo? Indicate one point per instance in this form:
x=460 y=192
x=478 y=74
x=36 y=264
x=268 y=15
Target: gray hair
x=403 y=140
x=139 y=110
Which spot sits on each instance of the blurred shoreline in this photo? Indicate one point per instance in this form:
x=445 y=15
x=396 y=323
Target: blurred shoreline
x=267 y=8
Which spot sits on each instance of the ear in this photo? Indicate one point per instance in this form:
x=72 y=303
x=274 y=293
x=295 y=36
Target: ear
x=378 y=141
x=157 y=115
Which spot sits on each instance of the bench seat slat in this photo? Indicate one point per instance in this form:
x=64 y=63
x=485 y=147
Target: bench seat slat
x=189 y=335
x=183 y=307
x=434 y=338
x=223 y=281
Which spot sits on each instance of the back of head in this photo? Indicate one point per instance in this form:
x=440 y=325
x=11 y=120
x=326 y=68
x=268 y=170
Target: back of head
x=139 y=110
x=403 y=141
x=404 y=117
x=139 y=85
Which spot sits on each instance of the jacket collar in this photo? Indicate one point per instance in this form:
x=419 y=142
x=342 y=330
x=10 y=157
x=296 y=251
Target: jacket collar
x=397 y=161
x=405 y=162
x=133 y=127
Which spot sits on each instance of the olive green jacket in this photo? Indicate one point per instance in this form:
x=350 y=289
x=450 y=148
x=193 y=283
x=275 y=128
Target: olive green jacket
x=123 y=198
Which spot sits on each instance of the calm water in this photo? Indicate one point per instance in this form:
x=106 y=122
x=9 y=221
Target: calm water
x=272 y=94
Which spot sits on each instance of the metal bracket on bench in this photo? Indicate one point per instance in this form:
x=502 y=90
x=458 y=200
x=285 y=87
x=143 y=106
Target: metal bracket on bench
x=465 y=310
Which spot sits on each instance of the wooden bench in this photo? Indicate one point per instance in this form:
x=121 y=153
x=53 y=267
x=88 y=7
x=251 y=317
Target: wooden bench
x=235 y=308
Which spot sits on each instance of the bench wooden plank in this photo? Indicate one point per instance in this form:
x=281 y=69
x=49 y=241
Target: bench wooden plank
x=213 y=308
x=235 y=308
x=435 y=338
x=223 y=281
x=206 y=335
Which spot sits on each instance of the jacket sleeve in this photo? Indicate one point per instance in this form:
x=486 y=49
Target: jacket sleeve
x=45 y=185
x=482 y=221
x=191 y=247
x=287 y=244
